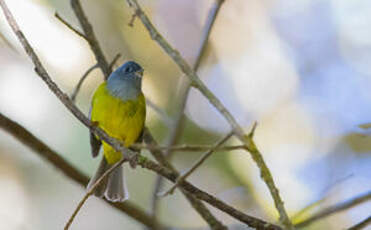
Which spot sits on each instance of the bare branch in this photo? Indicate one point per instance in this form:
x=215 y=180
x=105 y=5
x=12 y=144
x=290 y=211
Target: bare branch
x=317 y=203
x=82 y=79
x=90 y=192
x=178 y=124
x=196 y=165
x=196 y=204
x=86 y=74
x=364 y=223
x=187 y=147
x=335 y=208
x=237 y=129
x=114 y=60
x=91 y=38
x=69 y=26
x=249 y=220
x=48 y=154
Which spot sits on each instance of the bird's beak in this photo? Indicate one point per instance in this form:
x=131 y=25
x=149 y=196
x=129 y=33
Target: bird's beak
x=140 y=73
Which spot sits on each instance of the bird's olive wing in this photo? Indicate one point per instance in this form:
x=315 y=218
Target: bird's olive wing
x=95 y=143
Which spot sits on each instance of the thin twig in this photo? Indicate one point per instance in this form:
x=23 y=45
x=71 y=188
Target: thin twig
x=90 y=192
x=364 y=223
x=170 y=175
x=114 y=60
x=91 y=38
x=178 y=124
x=237 y=129
x=69 y=26
x=187 y=147
x=44 y=151
x=196 y=204
x=335 y=208
x=48 y=154
x=314 y=204
x=86 y=74
x=196 y=165
x=82 y=79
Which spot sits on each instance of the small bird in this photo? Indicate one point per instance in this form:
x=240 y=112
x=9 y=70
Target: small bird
x=119 y=108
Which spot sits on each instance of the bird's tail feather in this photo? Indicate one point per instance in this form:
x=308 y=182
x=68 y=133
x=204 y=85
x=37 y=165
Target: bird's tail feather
x=113 y=187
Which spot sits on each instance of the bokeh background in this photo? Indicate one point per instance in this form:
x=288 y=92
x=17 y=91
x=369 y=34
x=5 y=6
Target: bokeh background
x=302 y=69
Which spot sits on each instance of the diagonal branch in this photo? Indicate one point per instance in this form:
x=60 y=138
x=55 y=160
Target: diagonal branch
x=91 y=38
x=82 y=79
x=197 y=164
x=196 y=204
x=237 y=129
x=177 y=127
x=364 y=223
x=48 y=154
x=170 y=175
x=90 y=192
x=28 y=139
x=336 y=208
x=186 y=147
x=69 y=26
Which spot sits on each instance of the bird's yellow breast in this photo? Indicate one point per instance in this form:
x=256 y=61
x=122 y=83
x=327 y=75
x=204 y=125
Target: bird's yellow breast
x=123 y=120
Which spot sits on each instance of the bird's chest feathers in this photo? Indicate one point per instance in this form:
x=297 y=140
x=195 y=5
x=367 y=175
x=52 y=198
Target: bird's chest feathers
x=121 y=115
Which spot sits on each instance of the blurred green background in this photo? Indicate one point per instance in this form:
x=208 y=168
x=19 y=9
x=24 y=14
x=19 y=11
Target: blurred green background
x=302 y=69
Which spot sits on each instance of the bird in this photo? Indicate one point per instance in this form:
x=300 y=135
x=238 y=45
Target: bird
x=118 y=107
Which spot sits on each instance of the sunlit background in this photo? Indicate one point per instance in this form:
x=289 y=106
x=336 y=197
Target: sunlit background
x=301 y=69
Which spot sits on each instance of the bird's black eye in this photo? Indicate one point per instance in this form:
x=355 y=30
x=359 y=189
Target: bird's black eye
x=129 y=69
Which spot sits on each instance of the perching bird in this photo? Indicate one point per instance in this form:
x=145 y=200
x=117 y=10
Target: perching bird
x=119 y=108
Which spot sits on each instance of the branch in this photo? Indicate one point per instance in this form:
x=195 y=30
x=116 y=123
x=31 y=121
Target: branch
x=177 y=127
x=196 y=204
x=28 y=139
x=197 y=164
x=82 y=79
x=186 y=147
x=91 y=38
x=237 y=129
x=198 y=193
x=90 y=192
x=45 y=152
x=364 y=223
x=86 y=74
x=69 y=26
x=335 y=208
x=113 y=62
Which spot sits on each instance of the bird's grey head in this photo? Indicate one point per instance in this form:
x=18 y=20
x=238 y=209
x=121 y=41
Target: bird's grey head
x=126 y=81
